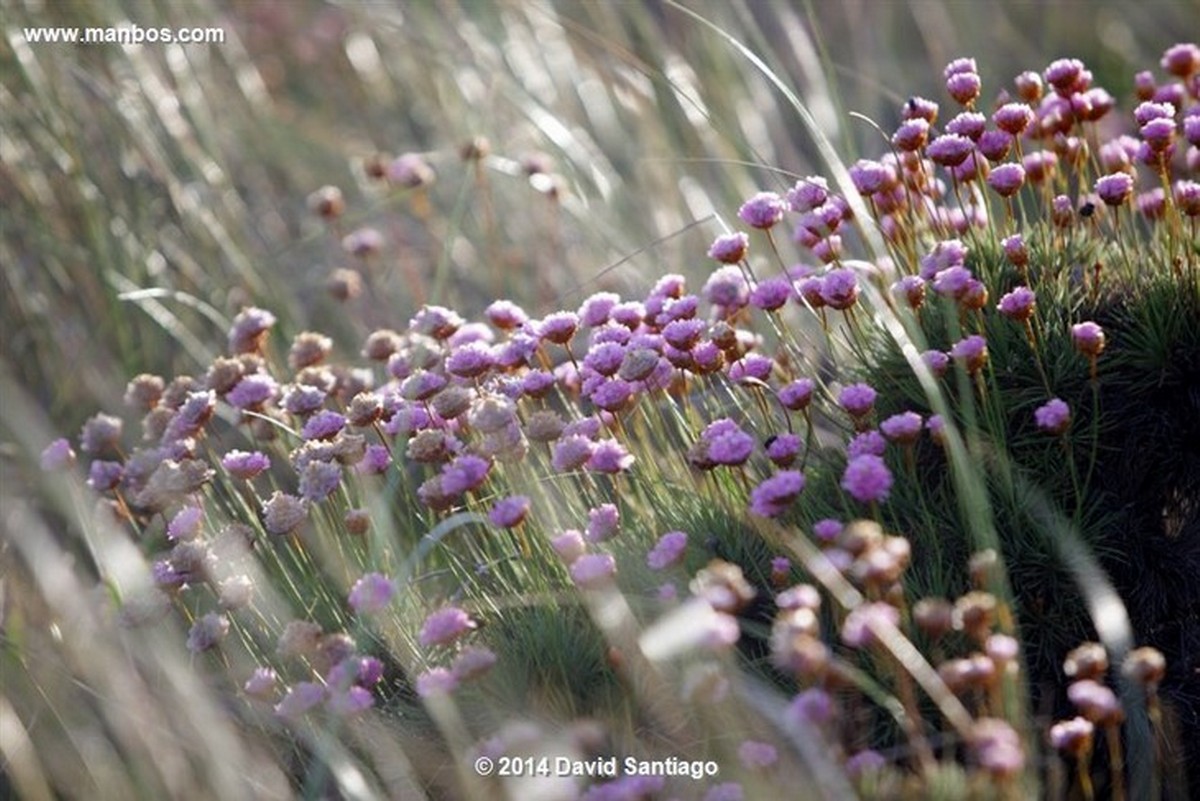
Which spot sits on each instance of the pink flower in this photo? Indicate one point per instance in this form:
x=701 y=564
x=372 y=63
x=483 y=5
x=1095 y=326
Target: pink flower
x=903 y=428
x=772 y=497
x=1088 y=338
x=667 y=551
x=796 y=395
x=436 y=682
x=243 y=465
x=324 y=424
x=509 y=512
x=858 y=630
x=185 y=525
x=839 y=288
x=1018 y=304
x=506 y=315
x=827 y=530
x=261 y=683
x=603 y=522
x=371 y=593
x=559 y=327
x=593 y=570
x=1007 y=179
x=569 y=545
x=867 y=478
x=58 y=455
x=472 y=662
x=596 y=309
x=299 y=699
x=729 y=248
x=610 y=456
x=754 y=754
x=207 y=632
x=972 y=351
x=1115 y=189
x=763 y=210
x=444 y=627
x=857 y=399
x=1053 y=417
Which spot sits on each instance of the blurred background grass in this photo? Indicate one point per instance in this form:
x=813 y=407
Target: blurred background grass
x=186 y=168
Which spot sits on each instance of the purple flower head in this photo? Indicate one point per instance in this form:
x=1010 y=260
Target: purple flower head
x=58 y=455
x=867 y=478
x=858 y=630
x=1115 y=189
x=1013 y=118
x=1191 y=128
x=972 y=351
x=436 y=682
x=731 y=448
x=376 y=460
x=300 y=399
x=323 y=425
x=1145 y=112
x=871 y=442
x=444 y=627
x=997 y=748
x=936 y=361
x=1181 y=60
x=612 y=395
x=371 y=593
x=1040 y=165
x=964 y=87
x=559 y=327
x=772 y=497
x=729 y=248
x=609 y=456
x=827 y=530
x=464 y=474
x=763 y=210
x=472 y=662
x=299 y=699
x=1088 y=338
x=593 y=570
x=683 y=334
x=207 y=632
x=771 y=294
x=868 y=176
x=1187 y=194
x=839 y=288
x=959 y=66
x=572 y=452
x=185 y=525
x=350 y=701
x=970 y=124
x=797 y=395
x=857 y=399
x=1064 y=74
x=509 y=512
x=808 y=194
x=1015 y=249
x=945 y=254
x=994 y=145
x=261 y=683
x=727 y=289
x=249 y=329
x=1007 y=179
x=100 y=432
x=603 y=522
x=812 y=707
x=751 y=366
x=903 y=428
x=435 y=321
x=783 y=448
x=911 y=135
x=252 y=392
x=104 y=475
x=318 y=480
x=596 y=309
x=755 y=755
x=410 y=170
x=920 y=108
x=506 y=315
x=1053 y=417
x=569 y=545
x=667 y=551
x=470 y=361
x=953 y=282
x=1018 y=304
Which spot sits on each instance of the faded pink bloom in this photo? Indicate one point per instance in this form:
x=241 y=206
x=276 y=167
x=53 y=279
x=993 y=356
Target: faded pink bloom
x=371 y=593
x=593 y=570
x=444 y=627
x=667 y=551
